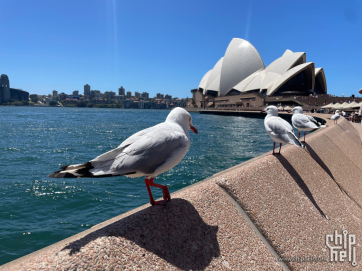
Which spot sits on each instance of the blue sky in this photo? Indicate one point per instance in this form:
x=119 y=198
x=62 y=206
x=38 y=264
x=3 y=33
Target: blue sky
x=168 y=45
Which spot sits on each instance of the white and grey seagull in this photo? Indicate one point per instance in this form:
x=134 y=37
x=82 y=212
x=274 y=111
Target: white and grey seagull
x=278 y=129
x=303 y=122
x=335 y=117
x=149 y=152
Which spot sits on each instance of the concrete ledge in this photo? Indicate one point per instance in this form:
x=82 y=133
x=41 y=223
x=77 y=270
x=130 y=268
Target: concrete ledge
x=240 y=219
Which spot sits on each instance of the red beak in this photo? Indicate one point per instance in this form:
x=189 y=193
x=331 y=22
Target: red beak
x=193 y=129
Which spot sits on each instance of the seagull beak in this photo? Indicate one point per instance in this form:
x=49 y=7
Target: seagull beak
x=193 y=129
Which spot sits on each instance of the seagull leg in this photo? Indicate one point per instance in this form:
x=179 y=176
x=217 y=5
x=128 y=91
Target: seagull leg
x=166 y=193
x=299 y=135
x=280 y=147
x=304 y=136
x=273 y=150
x=152 y=201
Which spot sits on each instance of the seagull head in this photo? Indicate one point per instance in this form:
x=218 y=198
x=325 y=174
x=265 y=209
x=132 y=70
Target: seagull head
x=272 y=110
x=337 y=111
x=297 y=110
x=181 y=117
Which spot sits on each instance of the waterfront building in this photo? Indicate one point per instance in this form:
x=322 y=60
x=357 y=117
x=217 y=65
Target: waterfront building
x=168 y=97
x=110 y=94
x=76 y=93
x=55 y=93
x=128 y=103
x=129 y=94
x=87 y=89
x=145 y=95
x=92 y=93
x=137 y=94
x=118 y=97
x=7 y=93
x=239 y=79
x=144 y=104
x=62 y=96
x=159 y=96
x=121 y=91
x=136 y=104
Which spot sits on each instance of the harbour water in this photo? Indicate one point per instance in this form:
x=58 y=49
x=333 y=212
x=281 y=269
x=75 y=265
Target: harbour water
x=36 y=211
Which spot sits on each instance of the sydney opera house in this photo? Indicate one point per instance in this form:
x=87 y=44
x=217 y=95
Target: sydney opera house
x=240 y=80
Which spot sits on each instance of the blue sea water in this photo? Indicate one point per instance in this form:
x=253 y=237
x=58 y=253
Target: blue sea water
x=37 y=211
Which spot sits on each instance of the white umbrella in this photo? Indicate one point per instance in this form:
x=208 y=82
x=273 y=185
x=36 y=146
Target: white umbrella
x=328 y=105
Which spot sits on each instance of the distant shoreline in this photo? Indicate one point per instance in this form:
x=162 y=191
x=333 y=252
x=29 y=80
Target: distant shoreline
x=83 y=107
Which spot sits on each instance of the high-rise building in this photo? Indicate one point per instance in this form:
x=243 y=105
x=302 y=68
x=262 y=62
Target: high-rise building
x=121 y=91
x=137 y=94
x=62 y=96
x=76 y=93
x=145 y=95
x=160 y=96
x=110 y=94
x=87 y=89
x=129 y=94
x=55 y=93
x=168 y=97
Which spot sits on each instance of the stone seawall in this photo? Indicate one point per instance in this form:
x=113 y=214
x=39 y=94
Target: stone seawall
x=247 y=217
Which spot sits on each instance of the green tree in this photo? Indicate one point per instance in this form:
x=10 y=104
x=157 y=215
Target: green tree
x=34 y=98
x=53 y=103
x=81 y=104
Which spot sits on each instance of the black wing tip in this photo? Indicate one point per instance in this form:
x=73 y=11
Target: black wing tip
x=59 y=174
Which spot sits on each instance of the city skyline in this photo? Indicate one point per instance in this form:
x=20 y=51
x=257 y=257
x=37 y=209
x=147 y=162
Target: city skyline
x=166 y=47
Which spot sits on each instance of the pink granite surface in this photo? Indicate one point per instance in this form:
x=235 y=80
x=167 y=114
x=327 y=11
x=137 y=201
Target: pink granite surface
x=199 y=230
x=299 y=197
x=294 y=200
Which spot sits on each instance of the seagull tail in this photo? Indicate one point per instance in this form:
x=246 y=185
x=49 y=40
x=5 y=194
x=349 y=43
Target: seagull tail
x=82 y=171
x=74 y=171
x=294 y=140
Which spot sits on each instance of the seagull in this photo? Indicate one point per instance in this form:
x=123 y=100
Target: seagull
x=335 y=117
x=278 y=129
x=303 y=122
x=148 y=153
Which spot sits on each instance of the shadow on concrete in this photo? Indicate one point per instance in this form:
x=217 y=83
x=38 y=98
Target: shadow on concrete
x=320 y=162
x=175 y=232
x=299 y=181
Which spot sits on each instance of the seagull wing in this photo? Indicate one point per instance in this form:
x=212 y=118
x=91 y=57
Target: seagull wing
x=312 y=120
x=335 y=116
x=301 y=121
x=142 y=153
x=281 y=131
